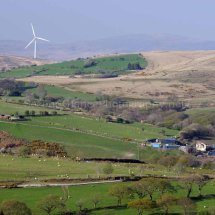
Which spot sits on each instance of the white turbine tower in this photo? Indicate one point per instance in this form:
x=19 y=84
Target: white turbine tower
x=35 y=38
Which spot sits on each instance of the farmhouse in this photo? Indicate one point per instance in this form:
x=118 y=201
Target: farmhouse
x=203 y=147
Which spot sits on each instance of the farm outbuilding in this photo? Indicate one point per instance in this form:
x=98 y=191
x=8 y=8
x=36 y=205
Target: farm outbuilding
x=211 y=153
x=168 y=143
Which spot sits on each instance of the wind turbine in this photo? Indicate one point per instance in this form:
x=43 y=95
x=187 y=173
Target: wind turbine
x=35 y=38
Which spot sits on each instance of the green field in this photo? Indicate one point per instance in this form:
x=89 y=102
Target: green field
x=10 y=108
x=114 y=64
x=56 y=91
x=81 y=135
x=32 y=195
x=88 y=143
x=76 y=143
x=19 y=168
x=202 y=116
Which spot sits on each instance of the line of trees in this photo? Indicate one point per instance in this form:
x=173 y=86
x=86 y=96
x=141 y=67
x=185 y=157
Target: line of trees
x=149 y=194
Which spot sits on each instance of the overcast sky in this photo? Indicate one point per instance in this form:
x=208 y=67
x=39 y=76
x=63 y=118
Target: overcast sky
x=72 y=20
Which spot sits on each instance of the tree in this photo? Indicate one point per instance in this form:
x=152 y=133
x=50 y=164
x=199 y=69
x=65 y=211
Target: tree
x=50 y=203
x=13 y=207
x=95 y=200
x=139 y=189
x=134 y=66
x=16 y=113
x=66 y=194
x=54 y=113
x=166 y=201
x=24 y=151
x=80 y=204
x=188 y=183
x=108 y=169
x=168 y=161
x=148 y=186
x=41 y=92
x=119 y=191
x=32 y=113
x=164 y=185
x=27 y=113
x=201 y=181
x=141 y=205
x=90 y=63
x=179 y=168
x=187 y=205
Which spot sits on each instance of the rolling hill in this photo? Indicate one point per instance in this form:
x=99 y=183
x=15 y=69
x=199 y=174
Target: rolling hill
x=10 y=62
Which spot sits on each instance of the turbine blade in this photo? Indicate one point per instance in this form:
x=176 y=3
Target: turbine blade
x=29 y=43
x=33 y=30
x=40 y=38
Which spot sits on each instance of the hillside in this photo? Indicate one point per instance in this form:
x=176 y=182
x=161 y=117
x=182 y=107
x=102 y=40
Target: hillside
x=187 y=75
x=107 y=65
x=10 y=62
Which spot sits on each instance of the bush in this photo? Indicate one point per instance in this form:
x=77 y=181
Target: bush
x=90 y=63
x=24 y=151
x=208 y=165
x=196 y=131
x=134 y=66
x=12 y=207
x=108 y=169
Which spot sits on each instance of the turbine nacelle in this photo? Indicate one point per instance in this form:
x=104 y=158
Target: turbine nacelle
x=34 y=40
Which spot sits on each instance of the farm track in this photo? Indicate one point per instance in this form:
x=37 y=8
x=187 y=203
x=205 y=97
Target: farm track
x=59 y=184
x=66 y=184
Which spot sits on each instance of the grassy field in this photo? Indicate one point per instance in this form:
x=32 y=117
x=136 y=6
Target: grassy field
x=9 y=108
x=19 y=168
x=32 y=195
x=57 y=91
x=81 y=135
x=76 y=143
x=86 y=143
x=116 y=64
x=202 y=115
x=97 y=126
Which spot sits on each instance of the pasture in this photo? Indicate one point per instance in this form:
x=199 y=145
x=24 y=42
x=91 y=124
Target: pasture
x=56 y=91
x=10 y=108
x=31 y=196
x=114 y=64
x=20 y=168
x=82 y=135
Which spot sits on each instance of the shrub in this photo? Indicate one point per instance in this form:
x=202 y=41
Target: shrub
x=12 y=207
x=108 y=169
x=196 y=131
x=90 y=63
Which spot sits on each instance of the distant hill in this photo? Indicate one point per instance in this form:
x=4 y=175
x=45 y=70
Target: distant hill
x=106 y=67
x=123 y=44
x=10 y=62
